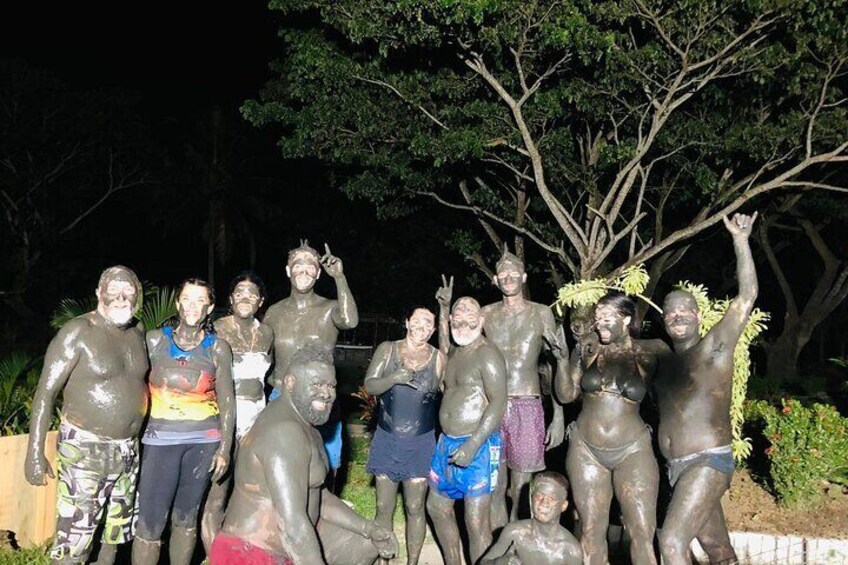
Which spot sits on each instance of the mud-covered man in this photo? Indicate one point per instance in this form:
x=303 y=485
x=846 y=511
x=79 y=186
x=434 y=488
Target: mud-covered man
x=521 y=329
x=98 y=361
x=694 y=391
x=539 y=540
x=307 y=318
x=280 y=511
x=465 y=463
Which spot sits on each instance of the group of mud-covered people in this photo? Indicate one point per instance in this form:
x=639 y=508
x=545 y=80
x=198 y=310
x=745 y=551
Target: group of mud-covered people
x=251 y=477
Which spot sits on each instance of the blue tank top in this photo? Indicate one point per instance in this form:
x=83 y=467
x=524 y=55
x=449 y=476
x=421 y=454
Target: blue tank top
x=410 y=409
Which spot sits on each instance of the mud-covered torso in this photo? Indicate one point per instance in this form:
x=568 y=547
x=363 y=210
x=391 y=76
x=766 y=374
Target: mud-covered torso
x=296 y=327
x=613 y=386
x=533 y=549
x=410 y=409
x=693 y=391
x=464 y=399
x=251 y=514
x=252 y=357
x=184 y=407
x=106 y=393
x=518 y=336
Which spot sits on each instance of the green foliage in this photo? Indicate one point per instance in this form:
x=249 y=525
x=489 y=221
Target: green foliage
x=70 y=308
x=18 y=380
x=399 y=99
x=633 y=281
x=157 y=306
x=30 y=556
x=712 y=311
x=809 y=444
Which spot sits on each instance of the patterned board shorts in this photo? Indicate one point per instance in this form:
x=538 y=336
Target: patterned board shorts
x=95 y=473
x=523 y=433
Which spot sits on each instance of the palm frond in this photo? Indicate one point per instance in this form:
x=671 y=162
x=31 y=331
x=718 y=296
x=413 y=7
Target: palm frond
x=70 y=308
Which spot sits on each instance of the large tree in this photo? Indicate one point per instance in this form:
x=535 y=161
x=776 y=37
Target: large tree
x=608 y=134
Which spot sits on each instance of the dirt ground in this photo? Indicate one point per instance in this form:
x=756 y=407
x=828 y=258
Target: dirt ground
x=749 y=507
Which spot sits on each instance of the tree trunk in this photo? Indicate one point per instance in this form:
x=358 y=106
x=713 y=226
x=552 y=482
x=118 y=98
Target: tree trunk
x=782 y=355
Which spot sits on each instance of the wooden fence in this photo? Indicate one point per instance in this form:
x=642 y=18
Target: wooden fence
x=28 y=511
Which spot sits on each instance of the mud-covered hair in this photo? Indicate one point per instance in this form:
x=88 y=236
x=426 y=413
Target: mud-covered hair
x=557 y=479
x=248 y=276
x=117 y=272
x=311 y=353
x=408 y=312
x=624 y=306
x=465 y=299
x=508 y=257
x=303 y=248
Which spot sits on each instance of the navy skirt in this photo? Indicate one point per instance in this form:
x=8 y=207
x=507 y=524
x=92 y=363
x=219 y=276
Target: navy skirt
x=401 y=458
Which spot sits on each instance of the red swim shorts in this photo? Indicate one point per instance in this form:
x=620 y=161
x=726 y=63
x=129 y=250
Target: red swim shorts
x=230 y=550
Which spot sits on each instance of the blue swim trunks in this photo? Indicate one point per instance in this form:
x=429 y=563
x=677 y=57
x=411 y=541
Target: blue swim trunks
x=479 y=478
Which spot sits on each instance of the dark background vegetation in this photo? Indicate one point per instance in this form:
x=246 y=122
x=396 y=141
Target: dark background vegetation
x=155 y=90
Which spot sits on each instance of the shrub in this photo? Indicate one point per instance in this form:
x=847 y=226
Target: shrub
x=809 y=444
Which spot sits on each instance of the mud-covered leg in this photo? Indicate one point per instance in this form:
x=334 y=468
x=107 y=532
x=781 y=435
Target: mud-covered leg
x=693 y=503
x=387 y=491
x=499 y=514
x=213 y=511
x=715 y=540
x=343 y=547
x=441 y=512
x=478 y=525
x=107 y=554
x=518 y=480
x=414 y=496
x=181 y=545
x=591 y=484
x=145 y=552
x=636 y=482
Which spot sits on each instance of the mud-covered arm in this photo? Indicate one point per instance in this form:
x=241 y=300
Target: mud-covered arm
x=272 y=320
x=493 y=374
x=223 y=357
x=377 y=378
x=286 y=473
x=336 y=512
x=731 y=326
x=444 y=295
x=59 y=361
x=555 y=343
x=345 y=313
x=567 y=383
x=497 y=553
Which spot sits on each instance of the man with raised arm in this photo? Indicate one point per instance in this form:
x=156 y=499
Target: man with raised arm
x=98 y=362
x=520 y=329
x=280 y=512
x=693 y=388
x=465 y=463
x=306 y=318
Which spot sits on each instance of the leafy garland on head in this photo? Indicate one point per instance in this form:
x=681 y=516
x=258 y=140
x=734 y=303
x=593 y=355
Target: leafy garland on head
x=712 y=311
x=633 y=281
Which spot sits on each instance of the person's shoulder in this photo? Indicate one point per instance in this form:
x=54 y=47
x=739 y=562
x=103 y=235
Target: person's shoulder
x=154 y=337
x=75 y=328
x=278 y=430
x=652 y=346
x=492 y=308
x=275 y=309
x=222 y=323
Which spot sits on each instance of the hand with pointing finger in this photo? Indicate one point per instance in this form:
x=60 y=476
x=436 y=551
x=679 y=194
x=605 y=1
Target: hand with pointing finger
x=332 y=264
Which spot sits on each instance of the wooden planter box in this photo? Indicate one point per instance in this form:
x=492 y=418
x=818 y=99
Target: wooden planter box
x=28 y=511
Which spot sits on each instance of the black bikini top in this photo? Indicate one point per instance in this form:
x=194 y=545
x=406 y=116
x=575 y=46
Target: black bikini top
x=630 y=385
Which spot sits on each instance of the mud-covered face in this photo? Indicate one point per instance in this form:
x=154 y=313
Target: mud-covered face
x=420 y=326
x=245 y=299
x=610 y=325
x=193 y=304
x=303 y=271
x=313 y=391
x=547 y=501
x=117 y=300
x=510 y=278
x=466 y=323
x=681 y=318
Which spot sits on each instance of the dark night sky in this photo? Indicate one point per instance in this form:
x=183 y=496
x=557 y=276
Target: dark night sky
x=181 y=58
